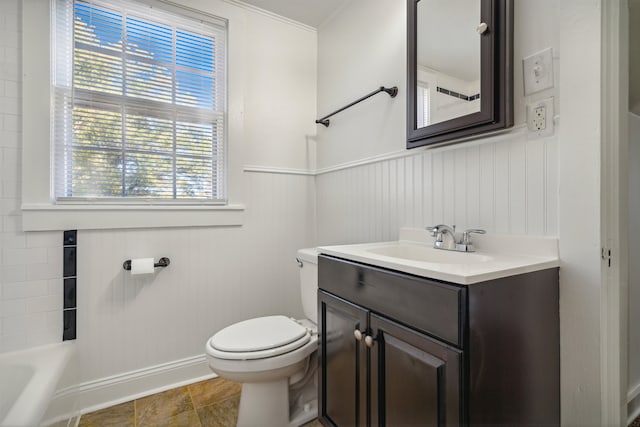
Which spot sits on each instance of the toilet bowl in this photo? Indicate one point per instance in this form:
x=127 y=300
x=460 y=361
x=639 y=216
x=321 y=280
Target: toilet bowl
x=275 y=359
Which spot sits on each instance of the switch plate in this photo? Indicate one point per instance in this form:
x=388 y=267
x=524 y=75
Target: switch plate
x=540 y=117
x=538 y=71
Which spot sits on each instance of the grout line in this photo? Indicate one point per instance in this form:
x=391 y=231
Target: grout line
x=193 y=404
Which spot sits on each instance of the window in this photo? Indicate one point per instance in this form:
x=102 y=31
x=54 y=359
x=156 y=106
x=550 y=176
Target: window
x=138 y=104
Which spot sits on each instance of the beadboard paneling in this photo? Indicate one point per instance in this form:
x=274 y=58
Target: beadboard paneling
x=507 y=186
x=217 y=276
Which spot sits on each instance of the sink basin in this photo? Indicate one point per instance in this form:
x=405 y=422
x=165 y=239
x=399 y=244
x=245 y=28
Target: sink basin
x=497 y=256
x=423 y=253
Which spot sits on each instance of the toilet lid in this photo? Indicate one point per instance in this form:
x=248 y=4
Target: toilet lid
x=258 y=338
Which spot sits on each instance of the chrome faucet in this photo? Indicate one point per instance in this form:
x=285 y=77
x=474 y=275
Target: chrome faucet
x=462 y=244
x=439 y=232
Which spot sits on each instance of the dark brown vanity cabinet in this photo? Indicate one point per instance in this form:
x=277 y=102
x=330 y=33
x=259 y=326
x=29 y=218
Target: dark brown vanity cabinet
x=401 y=350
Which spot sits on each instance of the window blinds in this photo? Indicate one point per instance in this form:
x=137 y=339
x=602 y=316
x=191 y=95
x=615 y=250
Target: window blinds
x=424 y=105
x=138 y=104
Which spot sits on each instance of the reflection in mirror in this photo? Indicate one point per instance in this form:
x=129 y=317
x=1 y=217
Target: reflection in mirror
x=448 y=60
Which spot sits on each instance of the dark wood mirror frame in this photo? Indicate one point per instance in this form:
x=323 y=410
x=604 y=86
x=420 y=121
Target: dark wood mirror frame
x=496 y=80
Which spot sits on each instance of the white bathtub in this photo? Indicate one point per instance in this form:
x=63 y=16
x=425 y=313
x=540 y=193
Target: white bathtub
x=28 y=380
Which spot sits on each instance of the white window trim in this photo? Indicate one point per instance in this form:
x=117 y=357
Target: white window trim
x=39 y=210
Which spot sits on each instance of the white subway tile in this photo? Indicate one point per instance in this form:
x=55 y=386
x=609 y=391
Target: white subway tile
x=9 y=207
x=14 y=239
x=12 y=89
x=13 y=342
x=12 y=54
x=45 y=239
x=11 y=223
x=54 y=320
x=25 y=256
x=45 y=336
x=14 y=273
x=10 y=139
x=12 y=122
x=10 y=72
x=11 y=188
x=10 y=166
x=44 y=303
x=8 y=22
x=24 y=289
x=9 y=38
x=10 y=7
x=12 y=308
x=25 y=323
x=45 y=271
x=56 y=287
x=9 y=105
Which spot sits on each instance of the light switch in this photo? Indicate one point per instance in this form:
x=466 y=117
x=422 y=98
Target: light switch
x=538 y=71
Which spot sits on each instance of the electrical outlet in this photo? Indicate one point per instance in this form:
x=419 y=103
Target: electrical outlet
x=540 y=117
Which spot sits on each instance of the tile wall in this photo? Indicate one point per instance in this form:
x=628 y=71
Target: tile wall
x=31 y=299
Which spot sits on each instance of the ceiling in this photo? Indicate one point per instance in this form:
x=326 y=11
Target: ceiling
x=309 y=12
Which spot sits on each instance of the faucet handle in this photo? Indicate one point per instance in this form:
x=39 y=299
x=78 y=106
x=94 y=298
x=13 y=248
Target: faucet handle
x=465 y=235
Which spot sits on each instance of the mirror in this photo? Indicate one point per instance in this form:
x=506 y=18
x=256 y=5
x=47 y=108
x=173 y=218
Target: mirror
x=460 y=74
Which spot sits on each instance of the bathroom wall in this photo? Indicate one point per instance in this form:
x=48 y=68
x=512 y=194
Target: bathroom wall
x=30 y=264
x=217 y=275
x=369 y=185
x=634 y=268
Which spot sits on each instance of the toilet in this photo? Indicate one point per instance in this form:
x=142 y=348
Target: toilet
x=275 y=359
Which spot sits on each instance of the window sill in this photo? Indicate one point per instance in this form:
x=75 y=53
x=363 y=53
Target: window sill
x=45 y=217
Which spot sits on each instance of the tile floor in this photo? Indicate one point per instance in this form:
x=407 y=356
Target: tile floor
x=210 y=403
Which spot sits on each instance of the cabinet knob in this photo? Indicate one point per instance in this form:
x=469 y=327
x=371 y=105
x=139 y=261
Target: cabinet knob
x=482 y=28
x=368 y=341
x=357 y=334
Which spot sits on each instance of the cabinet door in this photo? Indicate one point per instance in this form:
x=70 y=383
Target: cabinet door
x=415 y=379
x=342 y=362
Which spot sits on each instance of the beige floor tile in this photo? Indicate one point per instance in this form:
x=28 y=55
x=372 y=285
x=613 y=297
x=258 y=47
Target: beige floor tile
x=212 y=391
x=151 y=410
x=184 y=419
x=223 y=414
x=115 y=416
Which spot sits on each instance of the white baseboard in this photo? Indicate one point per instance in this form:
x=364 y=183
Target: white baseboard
x=102 y=393
x=633 y=403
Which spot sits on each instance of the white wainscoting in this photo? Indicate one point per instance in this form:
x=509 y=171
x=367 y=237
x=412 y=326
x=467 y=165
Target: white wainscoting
x=217 y=276
x=508 y=184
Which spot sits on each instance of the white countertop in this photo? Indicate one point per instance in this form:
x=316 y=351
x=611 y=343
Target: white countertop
x=496 y=256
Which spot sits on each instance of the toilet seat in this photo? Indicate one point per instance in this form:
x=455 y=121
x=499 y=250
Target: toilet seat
x=258 y=338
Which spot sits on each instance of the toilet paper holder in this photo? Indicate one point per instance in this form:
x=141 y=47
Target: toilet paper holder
x=162 y=262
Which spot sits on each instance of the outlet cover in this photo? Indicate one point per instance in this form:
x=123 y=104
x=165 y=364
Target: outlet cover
x=538 y=71
x=540 y=118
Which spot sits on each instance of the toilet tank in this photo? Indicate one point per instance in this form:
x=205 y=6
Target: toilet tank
x=309 y=282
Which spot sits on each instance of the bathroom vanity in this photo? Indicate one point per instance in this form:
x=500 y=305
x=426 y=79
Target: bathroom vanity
x=400 y=348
